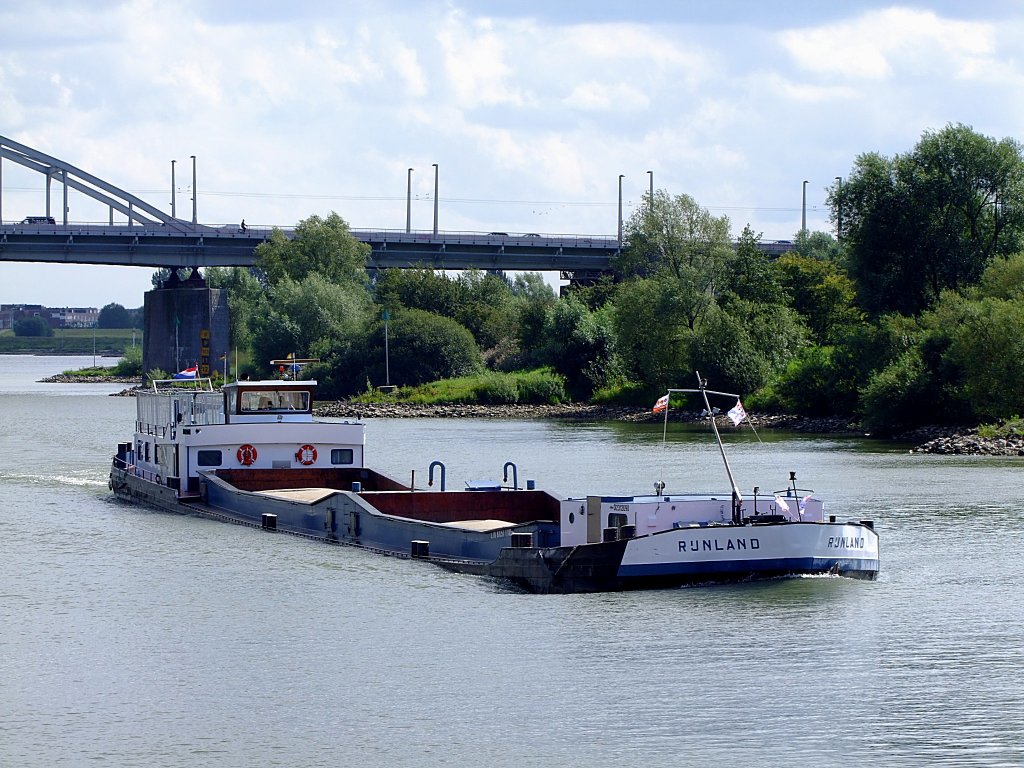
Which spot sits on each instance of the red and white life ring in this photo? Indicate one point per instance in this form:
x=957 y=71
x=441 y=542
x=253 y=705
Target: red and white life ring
x=247 y=454
x=306 y=454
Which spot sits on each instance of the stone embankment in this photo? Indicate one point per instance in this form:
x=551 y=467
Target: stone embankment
x=970 y=443
x=574 y=411
x=63 y=378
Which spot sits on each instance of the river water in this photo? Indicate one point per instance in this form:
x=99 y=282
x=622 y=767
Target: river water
x=131 y=637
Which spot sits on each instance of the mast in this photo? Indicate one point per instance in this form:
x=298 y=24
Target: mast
x=702 y=387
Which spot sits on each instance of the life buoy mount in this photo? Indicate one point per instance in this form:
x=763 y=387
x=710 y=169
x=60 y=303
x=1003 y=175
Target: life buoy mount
x=247 y=455
x=306 y=454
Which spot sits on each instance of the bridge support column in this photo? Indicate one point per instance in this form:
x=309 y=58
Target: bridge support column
x=186 y=324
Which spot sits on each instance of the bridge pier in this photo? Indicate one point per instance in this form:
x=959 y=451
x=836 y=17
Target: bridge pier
x=186 y=324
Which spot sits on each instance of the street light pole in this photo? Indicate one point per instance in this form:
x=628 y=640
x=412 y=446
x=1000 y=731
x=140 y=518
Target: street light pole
x=803 y=210
x=651 y=202
x=620 y=209
x=408 y=202
x=174 y=207
x=435 y=198
x=195 y=218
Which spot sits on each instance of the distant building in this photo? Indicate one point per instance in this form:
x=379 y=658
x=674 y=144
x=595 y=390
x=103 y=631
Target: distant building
x=57 y=317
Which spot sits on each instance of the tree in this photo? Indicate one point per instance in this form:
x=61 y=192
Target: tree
x=489 y=309
x=579 y=345
x=680 y=241
x=310 y=318
x=930 y=220
x=752 y=277
x=422 y=347
x=245 y=299
x=420 y=288
x=32 y=326
x=653 y=338
x=114 y=316
x=820 y=292
x=324 y=246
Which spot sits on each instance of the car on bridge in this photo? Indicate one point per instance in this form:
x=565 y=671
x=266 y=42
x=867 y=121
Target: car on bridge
x=38 y=220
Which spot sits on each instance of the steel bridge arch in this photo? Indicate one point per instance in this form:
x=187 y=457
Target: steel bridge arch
x=136 y=209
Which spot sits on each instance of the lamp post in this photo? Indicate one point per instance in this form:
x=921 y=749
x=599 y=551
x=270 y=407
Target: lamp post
x=435 y=198
x=803 y=210
x=174 y=207
x=620 y=209
x=839 y=208
x=408 y=202
x=195 y=218
x=651 y=201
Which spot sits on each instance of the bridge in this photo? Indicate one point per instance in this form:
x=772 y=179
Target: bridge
x=151 y=238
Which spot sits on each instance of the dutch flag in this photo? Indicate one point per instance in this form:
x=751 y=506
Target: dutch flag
x=188 y=373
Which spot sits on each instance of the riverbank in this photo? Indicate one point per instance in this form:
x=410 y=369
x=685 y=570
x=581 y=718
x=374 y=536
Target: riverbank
x=63 y=378
x=955 y=441
x=347 y=409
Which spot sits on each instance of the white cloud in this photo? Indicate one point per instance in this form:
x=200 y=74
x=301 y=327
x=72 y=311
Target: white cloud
x=879 y=44
x=292 y=112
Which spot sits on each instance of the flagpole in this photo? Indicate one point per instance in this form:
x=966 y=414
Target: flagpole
x=725 y=459
x=664 y=429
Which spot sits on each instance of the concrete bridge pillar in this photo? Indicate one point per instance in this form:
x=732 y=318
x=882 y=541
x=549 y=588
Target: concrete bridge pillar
x=186 y=324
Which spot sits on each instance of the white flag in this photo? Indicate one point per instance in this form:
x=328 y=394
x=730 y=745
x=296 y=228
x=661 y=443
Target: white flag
x=737 y=414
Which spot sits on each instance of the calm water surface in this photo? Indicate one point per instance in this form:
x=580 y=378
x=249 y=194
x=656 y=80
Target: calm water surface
x=138 y=638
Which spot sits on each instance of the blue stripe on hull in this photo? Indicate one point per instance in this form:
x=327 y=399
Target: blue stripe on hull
x=750 y=568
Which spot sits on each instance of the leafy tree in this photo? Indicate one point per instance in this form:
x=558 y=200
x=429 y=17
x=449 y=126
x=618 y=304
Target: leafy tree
x=324 y=246
x=245 y=298
x=820 y=292
x=819 y=245
x=752 y=277
x=725 y=354
x=114 y=316
x=917 y=224
x=679 y=241
x=988 y=348
x=489 y=309
x=1003 y=279
x=420 y=288
x=32 y=326
x=310 y=318
x=422 y=347
x=653 y=338
x=579 y=346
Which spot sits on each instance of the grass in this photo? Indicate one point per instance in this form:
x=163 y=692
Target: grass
x=1012 y=426
x=70 y=341
x=541 y=386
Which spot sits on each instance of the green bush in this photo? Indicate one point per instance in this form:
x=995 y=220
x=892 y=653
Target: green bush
x=130 y=363
x=498 y=389
x=897 y=397
x=32 y=326
x=541 y=387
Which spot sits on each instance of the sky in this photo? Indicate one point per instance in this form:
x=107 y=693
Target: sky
x=530 y=109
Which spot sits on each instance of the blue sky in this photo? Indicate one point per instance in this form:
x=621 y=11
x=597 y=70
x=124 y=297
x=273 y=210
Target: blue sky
x=530 y=109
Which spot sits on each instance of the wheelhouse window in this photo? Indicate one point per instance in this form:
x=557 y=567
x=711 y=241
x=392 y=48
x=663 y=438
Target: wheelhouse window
x=209 y=458
x=273 y=401
x=341 y=455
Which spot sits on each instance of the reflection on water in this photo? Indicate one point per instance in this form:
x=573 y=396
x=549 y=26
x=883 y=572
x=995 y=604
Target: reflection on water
x=144 y=638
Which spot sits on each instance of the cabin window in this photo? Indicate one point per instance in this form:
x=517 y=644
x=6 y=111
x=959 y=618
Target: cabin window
x=341 y=455
x=209 y=458
x=617 y=520
x=273 y=400
x=147 y=451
